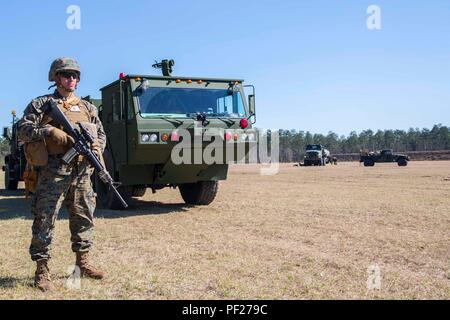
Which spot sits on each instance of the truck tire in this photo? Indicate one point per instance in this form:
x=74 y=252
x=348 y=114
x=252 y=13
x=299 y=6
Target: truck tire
x=402 y=162
x=10 y=182
x=369 y=163
x=199 y=193
x=139 y=191
x=105 y=197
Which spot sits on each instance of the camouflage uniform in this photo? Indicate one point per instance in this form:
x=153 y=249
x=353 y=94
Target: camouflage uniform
x=58 y=183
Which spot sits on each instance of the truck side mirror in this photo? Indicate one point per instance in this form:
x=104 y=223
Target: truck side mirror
x=7 y=133
x=251 y=104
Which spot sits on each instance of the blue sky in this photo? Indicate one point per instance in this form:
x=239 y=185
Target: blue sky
x=315 y=64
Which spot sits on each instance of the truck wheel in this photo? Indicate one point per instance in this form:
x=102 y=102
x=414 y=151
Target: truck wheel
x=200 y=193
x=139 y=191
x=402 y=162
x=10 y=182
x=107 y=199
x=369 y=163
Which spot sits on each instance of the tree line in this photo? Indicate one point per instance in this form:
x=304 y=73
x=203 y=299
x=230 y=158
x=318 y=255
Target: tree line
x=293 y=142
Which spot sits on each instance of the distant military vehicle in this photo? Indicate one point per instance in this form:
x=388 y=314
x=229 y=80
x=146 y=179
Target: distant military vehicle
x=387 y=155
x=14 y=162
x=316 y=155
x=143 y=116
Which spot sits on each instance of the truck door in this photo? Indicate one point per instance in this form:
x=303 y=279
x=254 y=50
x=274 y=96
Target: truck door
x=117 y=129
x=388 y=156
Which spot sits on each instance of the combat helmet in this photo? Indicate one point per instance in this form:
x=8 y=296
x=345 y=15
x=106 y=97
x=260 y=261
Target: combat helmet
x=63 y=64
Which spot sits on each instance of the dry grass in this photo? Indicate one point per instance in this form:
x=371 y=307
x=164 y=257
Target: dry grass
x=306 y=233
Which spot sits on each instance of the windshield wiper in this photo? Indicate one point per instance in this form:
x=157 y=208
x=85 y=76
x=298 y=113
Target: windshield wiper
x=219 y=116
x=229 y=122
x=171 y=120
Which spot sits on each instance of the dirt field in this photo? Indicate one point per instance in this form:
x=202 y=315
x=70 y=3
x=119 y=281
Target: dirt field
x=305 y=233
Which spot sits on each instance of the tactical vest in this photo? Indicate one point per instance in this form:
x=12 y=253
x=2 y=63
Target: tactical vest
x=75 y=111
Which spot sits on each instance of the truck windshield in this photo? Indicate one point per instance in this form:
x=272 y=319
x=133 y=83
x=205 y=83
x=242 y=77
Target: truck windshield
x=312 y=147
x=183 y=102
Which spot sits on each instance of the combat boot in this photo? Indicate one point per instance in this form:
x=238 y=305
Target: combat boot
x=86 y=269
x=42 y=278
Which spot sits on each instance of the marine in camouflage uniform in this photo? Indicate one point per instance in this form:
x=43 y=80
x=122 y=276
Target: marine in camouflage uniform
x=59 y=183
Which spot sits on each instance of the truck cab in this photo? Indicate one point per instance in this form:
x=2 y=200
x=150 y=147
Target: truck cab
x=145 y=117
x=387 y=155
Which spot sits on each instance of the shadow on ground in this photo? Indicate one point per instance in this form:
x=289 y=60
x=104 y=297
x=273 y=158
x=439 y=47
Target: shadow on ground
x=141 y=207
x=13 y=205
x=12 y=282
x=12 y=193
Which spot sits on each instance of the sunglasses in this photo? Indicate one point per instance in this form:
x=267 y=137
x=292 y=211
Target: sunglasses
x=69 y=75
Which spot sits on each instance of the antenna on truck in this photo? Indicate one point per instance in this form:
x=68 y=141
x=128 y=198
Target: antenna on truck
x=166 y=66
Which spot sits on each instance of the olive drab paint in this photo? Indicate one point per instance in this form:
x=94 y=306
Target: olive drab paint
x=140 y=153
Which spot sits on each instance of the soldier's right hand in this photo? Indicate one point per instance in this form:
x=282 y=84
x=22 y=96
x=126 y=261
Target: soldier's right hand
x=61 y=138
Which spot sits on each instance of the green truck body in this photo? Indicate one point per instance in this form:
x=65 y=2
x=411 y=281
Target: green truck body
x=14 y=161
x=387 y=155
x=142 y=113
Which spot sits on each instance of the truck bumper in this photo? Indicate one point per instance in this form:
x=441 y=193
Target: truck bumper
x=171 y=174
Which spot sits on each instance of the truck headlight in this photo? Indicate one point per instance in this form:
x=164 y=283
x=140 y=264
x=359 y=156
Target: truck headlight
x=153 y=137
x=251 y=137
x=145 y=137
x=149 y=137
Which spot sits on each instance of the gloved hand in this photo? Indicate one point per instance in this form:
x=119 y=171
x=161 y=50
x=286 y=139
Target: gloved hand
x=61 y=138
x=95 y=146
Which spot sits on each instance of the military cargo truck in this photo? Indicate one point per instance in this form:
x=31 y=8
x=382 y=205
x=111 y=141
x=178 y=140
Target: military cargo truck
x=316 y=155
x=14 y=161
x=145 y=117
x=387 y=155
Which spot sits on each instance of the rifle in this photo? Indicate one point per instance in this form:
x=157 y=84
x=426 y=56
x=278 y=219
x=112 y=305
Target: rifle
x=83 y=140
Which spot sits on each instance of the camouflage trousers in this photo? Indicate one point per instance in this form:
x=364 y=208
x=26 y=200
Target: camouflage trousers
x=59 y=183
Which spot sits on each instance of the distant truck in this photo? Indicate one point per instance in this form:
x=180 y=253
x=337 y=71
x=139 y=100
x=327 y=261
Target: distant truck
x=14 y=162
x=317 y=155
x=387 y=155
